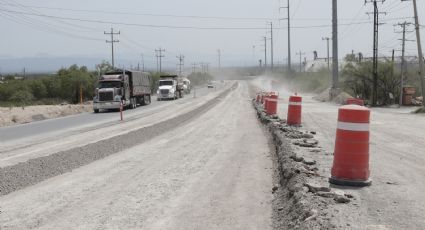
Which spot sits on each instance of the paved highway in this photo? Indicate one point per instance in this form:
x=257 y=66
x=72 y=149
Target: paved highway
x=59 y=125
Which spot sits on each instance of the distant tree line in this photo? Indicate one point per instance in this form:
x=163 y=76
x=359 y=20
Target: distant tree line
x=65 y=86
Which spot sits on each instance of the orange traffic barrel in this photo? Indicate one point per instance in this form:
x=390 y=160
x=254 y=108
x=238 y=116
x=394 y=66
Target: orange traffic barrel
x=272 y=105
x=351 y=155
x=354 y=101
x=266 y=103
x=294 y=110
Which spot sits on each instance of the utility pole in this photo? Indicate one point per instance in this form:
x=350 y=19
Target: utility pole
x=375 y=48
x=181 y=63
x=271 y=46
x=289 y=35
x=335 y=64
x=403 y=45
x=219 y=58
x=193 y=67
x=143 y=63
x=160 y=55
x=112 y=41
x=300 y=53
x=265 y=53
x=328 y=60
x=420 y=54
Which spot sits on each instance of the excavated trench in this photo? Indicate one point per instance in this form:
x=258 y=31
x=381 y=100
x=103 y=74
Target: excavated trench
x=302 y=197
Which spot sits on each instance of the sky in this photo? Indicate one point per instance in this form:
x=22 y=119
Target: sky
x=49 y=30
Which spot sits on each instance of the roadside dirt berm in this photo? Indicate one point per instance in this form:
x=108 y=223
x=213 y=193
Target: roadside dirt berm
x=294 y=110
x=272 y=104
x=355 y=101
x=351 y=155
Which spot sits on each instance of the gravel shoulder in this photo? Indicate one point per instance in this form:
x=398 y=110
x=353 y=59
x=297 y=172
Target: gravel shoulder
x=207 y=174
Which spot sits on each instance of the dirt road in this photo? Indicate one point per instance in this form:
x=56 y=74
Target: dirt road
x=212 y=173
x=395 y=199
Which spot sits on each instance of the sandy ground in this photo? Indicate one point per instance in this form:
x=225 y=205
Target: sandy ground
x=21 y=115
x=395 y=198
x=213 y=173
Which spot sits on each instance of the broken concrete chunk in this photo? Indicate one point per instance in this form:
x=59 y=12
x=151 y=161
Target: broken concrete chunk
x=341 y=199
x=309 y=161
x=314 y=188
x=311 y=215
x=307 y=135
x=326 y=194
x=297 y=158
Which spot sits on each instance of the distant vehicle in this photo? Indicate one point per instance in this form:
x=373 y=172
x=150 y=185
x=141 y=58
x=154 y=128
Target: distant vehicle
x=186 y=86
x=210 y=85
x=170 y=87
x=130 y=87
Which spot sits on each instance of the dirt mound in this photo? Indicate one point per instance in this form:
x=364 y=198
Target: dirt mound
x=325 y=97
x=21 y=115
x=342 y=98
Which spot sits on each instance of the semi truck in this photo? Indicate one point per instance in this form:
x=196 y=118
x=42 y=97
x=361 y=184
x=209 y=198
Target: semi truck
x=186 y=85
x=131 y=88
x=170 y=87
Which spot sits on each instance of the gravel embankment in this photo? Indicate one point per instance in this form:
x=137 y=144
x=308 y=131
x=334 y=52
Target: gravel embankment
x=303 y=198
x=33 y=171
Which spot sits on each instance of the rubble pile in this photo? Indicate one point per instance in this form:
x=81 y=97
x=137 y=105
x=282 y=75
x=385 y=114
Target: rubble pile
x=417 y=100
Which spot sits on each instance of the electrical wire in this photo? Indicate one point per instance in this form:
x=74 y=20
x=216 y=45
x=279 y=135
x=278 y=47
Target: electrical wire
x=179 y=27
x=146 y=14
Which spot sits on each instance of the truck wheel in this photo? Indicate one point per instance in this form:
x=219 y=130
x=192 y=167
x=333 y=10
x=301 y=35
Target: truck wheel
x=96 y=111
x=134 y=103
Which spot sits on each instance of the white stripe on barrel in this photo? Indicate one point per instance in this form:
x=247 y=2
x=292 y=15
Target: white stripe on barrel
x=360 y=127
x=294 y=103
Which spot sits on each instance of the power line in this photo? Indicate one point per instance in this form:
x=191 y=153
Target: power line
x=300 y=53
x=45 y=27
x=375 y=47
x=181 y=63
x=327 y=41
x=288 y=18
x=182 y=27
x=160 y=55
x=403 y=25
x=112 y=41
x=143 y=14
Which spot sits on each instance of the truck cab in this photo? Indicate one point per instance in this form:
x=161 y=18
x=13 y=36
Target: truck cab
x=169 y=87
x=127 y=87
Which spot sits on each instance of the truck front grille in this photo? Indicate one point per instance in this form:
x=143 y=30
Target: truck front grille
x=164 y=91
x=106 y=96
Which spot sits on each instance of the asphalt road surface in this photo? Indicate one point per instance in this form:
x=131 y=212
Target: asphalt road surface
x=58 y=125
x=214 y=172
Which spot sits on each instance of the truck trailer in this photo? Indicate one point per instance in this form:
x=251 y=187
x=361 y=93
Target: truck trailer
x=129 y=87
